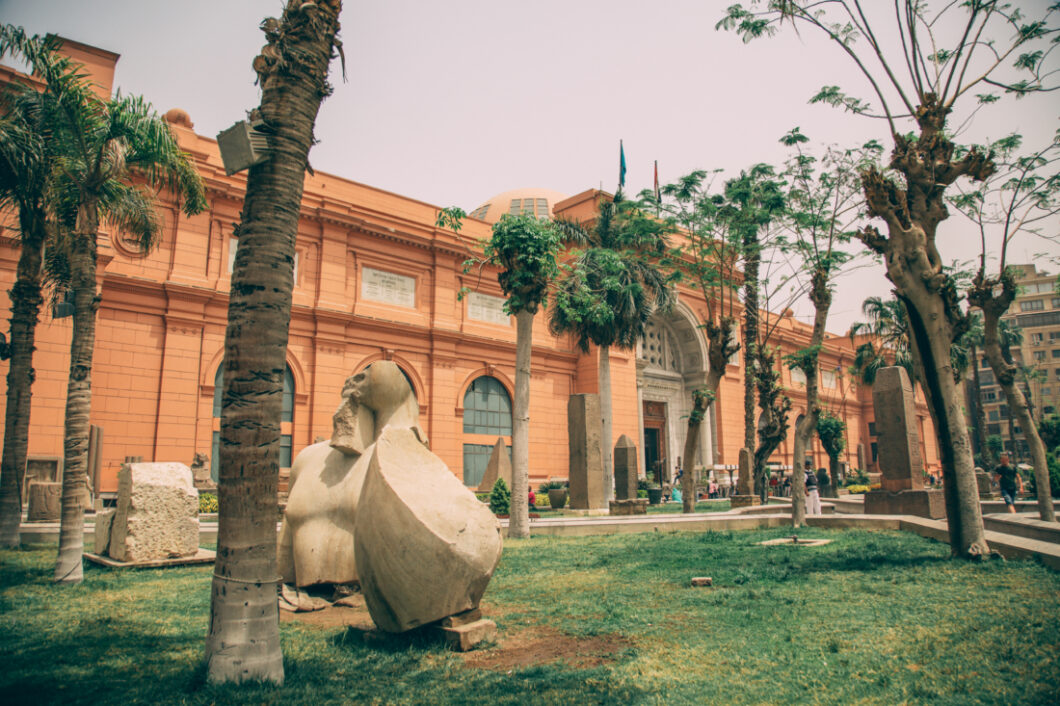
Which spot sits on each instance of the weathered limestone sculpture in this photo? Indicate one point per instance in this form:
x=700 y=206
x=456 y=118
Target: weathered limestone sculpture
x=373 y=505
x=157 y=515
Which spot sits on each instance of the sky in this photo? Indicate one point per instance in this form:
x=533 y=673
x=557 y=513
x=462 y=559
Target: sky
x=453 y=102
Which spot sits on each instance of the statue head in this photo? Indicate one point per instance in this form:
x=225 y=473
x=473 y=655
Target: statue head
x=377 y=397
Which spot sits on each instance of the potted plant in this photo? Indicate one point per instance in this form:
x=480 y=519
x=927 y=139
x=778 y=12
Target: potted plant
x=556 y=491
x=653 y=488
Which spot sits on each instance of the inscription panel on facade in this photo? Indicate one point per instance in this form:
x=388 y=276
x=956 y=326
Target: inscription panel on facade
x=483 y=307
x=389 y=288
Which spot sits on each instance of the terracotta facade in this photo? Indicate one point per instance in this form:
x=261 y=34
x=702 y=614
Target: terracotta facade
x=375 y=279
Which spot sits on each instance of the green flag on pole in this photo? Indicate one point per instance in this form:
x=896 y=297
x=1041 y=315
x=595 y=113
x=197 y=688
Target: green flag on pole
x=621 y=164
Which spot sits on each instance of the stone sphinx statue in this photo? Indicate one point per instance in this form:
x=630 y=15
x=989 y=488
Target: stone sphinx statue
x=374 y=506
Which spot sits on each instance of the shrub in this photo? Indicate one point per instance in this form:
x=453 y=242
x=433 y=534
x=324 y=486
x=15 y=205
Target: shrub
x=207 y=502
x=1054 y=477
x=856 y=489
x=500 y=498
x=856 y=476
x=484 y=497
x=642 y=493
x=541 y=500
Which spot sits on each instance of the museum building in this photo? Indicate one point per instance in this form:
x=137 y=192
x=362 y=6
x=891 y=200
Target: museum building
x=376 y=279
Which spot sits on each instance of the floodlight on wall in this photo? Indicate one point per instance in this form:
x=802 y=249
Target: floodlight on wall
x=64 y=308
x=242 y=146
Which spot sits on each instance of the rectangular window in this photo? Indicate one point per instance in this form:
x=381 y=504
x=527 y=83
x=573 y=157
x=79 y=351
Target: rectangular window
x=875 y=452
x=828 y=378
x=1032 y=305
x=993 y=416
x=1056 y=302
x=1004 y=411
x=1036 y=338
x=1039 y=355
x=986 y=377
x=993 y=429
x=1056 y=353
x=1046 y=391
x=1057 y=372
x=872 y=429
x=515 y=207
x=798 y=377
x=989 y=396
x=1054 y=335
x=734 y=359
x=542 y=208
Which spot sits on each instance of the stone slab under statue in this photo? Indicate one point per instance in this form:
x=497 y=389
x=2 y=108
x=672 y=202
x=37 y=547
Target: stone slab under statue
x=374 y=506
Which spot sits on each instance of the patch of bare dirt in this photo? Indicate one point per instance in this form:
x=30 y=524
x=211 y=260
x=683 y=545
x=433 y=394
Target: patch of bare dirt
x=543 y=645
x=353 y=614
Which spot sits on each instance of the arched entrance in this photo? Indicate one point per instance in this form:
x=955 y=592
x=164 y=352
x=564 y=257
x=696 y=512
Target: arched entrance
x=671 y=362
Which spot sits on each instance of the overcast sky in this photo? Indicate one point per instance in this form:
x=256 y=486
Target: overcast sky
x=454 y=102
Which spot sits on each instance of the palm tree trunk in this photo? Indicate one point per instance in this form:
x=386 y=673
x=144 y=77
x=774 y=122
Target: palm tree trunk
x=606 y=426
x=519 y=519
x=25 y=308
x=75 y=495
x=243 y=643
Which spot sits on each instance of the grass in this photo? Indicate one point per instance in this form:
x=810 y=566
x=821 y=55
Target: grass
x=872 y=618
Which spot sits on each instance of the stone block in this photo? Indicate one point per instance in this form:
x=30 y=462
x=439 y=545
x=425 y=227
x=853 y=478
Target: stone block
x=984 y=484
x=158 y=513
x=468 y=616
x=45 y=502
x=736 y=501
x=462 y=638
x=921 y=503
x=701 y=581
x=625 y=469
x=636 y=506
x=584 y=435
x=104 y=522
x=899 y=442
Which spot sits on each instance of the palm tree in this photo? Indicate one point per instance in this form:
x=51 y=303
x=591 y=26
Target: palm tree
x=103 y=148
x=24 y=166
x=243 y=643
x=609 y=292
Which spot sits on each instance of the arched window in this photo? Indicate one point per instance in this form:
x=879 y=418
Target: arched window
x=487 y=408
x=286 y=419
x=487 y=412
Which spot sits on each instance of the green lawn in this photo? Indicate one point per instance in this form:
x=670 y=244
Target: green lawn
x=872 y=618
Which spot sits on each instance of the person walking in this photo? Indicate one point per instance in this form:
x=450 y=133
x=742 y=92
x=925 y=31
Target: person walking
x=813 y=497
x=1009 y=479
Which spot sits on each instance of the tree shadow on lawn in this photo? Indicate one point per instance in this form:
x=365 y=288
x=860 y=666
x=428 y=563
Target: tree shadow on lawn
x=103 y=659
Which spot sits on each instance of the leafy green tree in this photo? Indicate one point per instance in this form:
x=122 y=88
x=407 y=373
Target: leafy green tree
x=525 y=248
x=831 y=430
x=1021 y=195
x=243 y=643
x=1049 y=431
x=705 y=258
x=610 y=289
x=752 y=201
x=824 y=206
x=26 y=158
x=923 y=77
